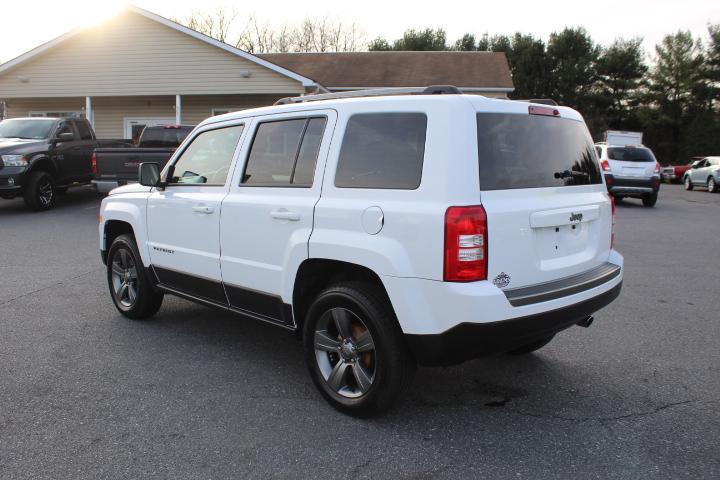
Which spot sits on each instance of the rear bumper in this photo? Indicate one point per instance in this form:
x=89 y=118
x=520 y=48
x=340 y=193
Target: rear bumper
x=104 y=186
x=632 y=186
x=471 y=340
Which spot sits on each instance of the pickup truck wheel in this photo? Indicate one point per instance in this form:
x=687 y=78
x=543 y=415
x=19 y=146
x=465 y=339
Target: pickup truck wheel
x=650 y=200
x=39 y=191
x=531 y=347
x=355 y=350
x=130 y=287
x=711 y=185
x=688 y=183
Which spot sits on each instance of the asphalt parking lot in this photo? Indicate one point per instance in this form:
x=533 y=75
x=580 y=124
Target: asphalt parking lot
x=198 y=393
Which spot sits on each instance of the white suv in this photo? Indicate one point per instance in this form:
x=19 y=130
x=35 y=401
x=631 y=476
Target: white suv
x=630 y=171
x=386 y=230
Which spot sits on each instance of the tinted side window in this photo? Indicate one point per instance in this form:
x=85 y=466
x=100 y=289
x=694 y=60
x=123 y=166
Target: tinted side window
x=83 y=130
x=284 y=153
x=382 y=150
x=307 y=157
x=208 y=158
x=64 y=127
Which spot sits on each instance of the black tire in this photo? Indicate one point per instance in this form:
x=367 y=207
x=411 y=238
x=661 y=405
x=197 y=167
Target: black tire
x=712 y=185
x=531 y=347
x=139 y=300
x=39 y=193
x=618 y=198
x=391 y=364
x=650 y=200
x=687 y=183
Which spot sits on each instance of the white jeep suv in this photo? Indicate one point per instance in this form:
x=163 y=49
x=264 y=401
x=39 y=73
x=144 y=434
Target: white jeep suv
x=385 y=230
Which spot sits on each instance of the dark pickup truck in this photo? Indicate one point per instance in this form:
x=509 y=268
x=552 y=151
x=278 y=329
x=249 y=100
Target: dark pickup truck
x=119 y=166
x=41 y=157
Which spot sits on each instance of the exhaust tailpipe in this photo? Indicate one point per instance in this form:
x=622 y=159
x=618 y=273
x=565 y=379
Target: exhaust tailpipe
x=586 y=322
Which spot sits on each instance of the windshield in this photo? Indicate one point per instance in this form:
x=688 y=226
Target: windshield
x=34 y=129
x=630 y=154
x=533 y=151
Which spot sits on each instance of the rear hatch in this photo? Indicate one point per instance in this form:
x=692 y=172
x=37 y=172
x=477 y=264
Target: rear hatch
x=632 y=162
x=547 y=208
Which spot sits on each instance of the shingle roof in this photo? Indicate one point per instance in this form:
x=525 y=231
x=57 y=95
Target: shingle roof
x=399 y=69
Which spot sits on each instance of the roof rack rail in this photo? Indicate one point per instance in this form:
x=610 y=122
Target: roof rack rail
x=542 y=101
x=374 y=92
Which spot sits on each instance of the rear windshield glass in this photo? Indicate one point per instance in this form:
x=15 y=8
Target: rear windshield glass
x=164 y=137
x=532 y=151
x=630 y=154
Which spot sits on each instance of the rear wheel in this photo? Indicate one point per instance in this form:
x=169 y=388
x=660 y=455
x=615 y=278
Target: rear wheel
x=39 y=191
x=354 y=349
x=650 y=200
x=711 y=185
x=531 y=347
x=130 y=286
x=688 y=183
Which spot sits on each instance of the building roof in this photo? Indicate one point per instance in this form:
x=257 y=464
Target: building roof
x=487 y=71
x=168 y=23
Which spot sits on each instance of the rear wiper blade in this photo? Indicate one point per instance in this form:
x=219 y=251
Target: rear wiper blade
x=571 y=173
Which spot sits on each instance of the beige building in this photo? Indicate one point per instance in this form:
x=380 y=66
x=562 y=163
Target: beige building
x=139 y=68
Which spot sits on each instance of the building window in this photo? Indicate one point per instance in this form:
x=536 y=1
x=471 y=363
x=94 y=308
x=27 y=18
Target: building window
x=65 y=114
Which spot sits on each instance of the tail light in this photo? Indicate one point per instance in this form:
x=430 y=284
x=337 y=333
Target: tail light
x=605 y=166
x=465 y=244
x=612 y=230
x=93 y=164
x=657 y=167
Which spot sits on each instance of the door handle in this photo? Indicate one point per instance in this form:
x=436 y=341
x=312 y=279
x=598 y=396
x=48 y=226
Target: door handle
x=284 y=214
x=203 y=209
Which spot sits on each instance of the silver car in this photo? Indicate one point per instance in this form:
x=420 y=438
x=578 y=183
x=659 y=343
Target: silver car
x=705 y=173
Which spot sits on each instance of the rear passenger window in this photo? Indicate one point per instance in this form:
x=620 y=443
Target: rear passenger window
x=382 y=150
x=83 y=130
x=284 y=153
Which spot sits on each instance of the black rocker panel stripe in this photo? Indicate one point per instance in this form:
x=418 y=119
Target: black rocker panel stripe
x=197 y=286
x=256 y=302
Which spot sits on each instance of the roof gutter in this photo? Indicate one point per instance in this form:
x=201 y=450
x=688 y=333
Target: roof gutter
x=464 y=89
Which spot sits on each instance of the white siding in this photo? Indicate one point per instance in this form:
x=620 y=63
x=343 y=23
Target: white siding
x=133 y=55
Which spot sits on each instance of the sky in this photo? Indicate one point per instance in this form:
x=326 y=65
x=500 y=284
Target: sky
x=28 y=23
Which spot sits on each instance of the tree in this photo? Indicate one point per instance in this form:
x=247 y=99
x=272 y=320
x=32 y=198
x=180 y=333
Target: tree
x=466 y=43
x=620 y=71
x=675 y=81
x=571 y=58
x=379 y=45
x=528 y=61
x=214 y=23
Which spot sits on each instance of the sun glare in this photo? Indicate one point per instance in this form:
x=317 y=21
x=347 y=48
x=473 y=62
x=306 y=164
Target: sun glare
x=92 y=12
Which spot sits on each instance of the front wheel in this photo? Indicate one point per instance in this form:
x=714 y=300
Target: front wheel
x=711 y=185
x=355 y=350
x=688 y=183
x=130 y=286
x=39 y=191
x=650 y=200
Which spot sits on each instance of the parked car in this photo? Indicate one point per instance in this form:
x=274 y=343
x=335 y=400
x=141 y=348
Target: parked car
x=43 y=157
x=676 y=173
x=119 y=166
x=630 y=171
x=384 y=230
x=706 y=173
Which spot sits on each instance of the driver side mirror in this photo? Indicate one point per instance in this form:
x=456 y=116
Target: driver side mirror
x=149 y=174
x=66 y=137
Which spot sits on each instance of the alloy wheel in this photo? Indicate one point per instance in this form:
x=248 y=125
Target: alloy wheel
x=124 y=278
x=345 y=352
x=45 y=193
